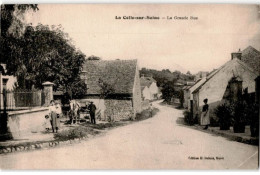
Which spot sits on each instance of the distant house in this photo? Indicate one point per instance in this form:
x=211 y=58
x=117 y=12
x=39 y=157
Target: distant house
x=200 y=74
x=150 y=90
x=187 y=94
x=216 y=86
x=114 y=87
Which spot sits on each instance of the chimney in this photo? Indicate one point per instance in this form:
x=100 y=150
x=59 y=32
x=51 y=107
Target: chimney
x=237 y=55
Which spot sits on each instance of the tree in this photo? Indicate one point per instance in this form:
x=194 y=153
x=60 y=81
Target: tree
x=12 y=26
x=46 y=54
x=168 y=91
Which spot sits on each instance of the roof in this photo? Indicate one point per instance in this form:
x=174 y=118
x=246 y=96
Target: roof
x=230 y=64
x=118 y=74
x=146 y=81
x=251 y=57
x=186 y=87
x=178 y=84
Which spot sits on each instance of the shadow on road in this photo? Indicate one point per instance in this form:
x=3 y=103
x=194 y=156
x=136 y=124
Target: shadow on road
x=180 y=121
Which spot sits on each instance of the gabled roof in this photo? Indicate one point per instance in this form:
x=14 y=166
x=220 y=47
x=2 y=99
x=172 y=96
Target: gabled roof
x=186 y=87
x=146 y=81
x=230 y=63
x=118 y=74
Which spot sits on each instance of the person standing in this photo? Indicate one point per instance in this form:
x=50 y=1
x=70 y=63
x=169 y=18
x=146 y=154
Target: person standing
x=59 y=115
x=53 y=116
x=92 y=110
x=204 y=118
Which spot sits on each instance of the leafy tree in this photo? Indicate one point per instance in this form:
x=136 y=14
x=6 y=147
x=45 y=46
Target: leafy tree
x=12 y=27
x=168 y=91
x=46 y=54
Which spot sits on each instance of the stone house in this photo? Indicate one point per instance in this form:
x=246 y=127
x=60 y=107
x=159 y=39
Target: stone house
x=216 y=87
x=150 y=90
x=114 y=87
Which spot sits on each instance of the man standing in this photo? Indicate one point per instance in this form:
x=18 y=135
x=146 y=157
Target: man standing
x=92 y=110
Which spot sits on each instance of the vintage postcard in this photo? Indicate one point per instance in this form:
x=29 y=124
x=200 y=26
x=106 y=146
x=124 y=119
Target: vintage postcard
x=129 y=86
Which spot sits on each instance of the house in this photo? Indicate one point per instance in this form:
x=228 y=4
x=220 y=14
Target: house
x=187 y=94
x=150 y=90
x=114 y=87
x=216 y=87
x=189 y=89
x=200 y=74
x=179 y=84
x=11 y=79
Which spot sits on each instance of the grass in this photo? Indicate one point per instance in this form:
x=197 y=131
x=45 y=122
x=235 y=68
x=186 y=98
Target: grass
x=78 y=132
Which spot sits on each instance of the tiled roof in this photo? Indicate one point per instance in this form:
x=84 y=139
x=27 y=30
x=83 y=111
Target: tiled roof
x=118 y=74
x=251 y=57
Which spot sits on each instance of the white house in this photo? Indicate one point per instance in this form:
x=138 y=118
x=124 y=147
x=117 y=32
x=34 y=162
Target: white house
x=216 y=86
x=150 y=90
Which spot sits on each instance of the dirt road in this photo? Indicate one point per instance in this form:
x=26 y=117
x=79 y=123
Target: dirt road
x=156 y=143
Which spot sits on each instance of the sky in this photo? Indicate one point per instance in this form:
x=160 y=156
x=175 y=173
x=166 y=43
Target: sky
x=184 y=45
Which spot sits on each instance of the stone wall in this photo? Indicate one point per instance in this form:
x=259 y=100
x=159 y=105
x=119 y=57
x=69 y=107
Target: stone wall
x=118 y=109
x=23 y=123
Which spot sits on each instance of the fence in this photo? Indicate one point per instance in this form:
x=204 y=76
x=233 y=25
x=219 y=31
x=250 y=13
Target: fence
x=22 y=100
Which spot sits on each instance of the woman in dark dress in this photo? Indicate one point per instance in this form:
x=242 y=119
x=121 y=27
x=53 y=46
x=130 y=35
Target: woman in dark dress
x=204 y=118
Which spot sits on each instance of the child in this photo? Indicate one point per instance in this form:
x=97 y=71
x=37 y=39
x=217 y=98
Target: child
x=47 y=123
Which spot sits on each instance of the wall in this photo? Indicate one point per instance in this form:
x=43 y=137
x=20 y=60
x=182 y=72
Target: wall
x=186 y=99
x=137 y=96
x=118 y=109
x=23 y=123
x=146 y=93
x=154 y=89
x=145 y=104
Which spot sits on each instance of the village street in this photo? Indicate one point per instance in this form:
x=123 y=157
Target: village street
x=161 y=142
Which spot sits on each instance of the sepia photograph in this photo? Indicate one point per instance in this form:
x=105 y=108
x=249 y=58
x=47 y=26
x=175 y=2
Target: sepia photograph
x=145 y=86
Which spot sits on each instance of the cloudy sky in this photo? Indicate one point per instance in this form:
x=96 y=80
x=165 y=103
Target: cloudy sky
x=194 y=45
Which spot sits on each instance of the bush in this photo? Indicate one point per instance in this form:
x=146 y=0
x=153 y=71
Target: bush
x=78 y=132
x=254 y=120
x=239 y=116
x=147 y=113
x=188 y=119
x=223 y=112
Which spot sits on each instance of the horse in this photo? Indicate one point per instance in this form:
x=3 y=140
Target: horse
x=74 y=112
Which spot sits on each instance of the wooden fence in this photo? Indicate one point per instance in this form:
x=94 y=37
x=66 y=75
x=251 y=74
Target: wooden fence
x=22 y=100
